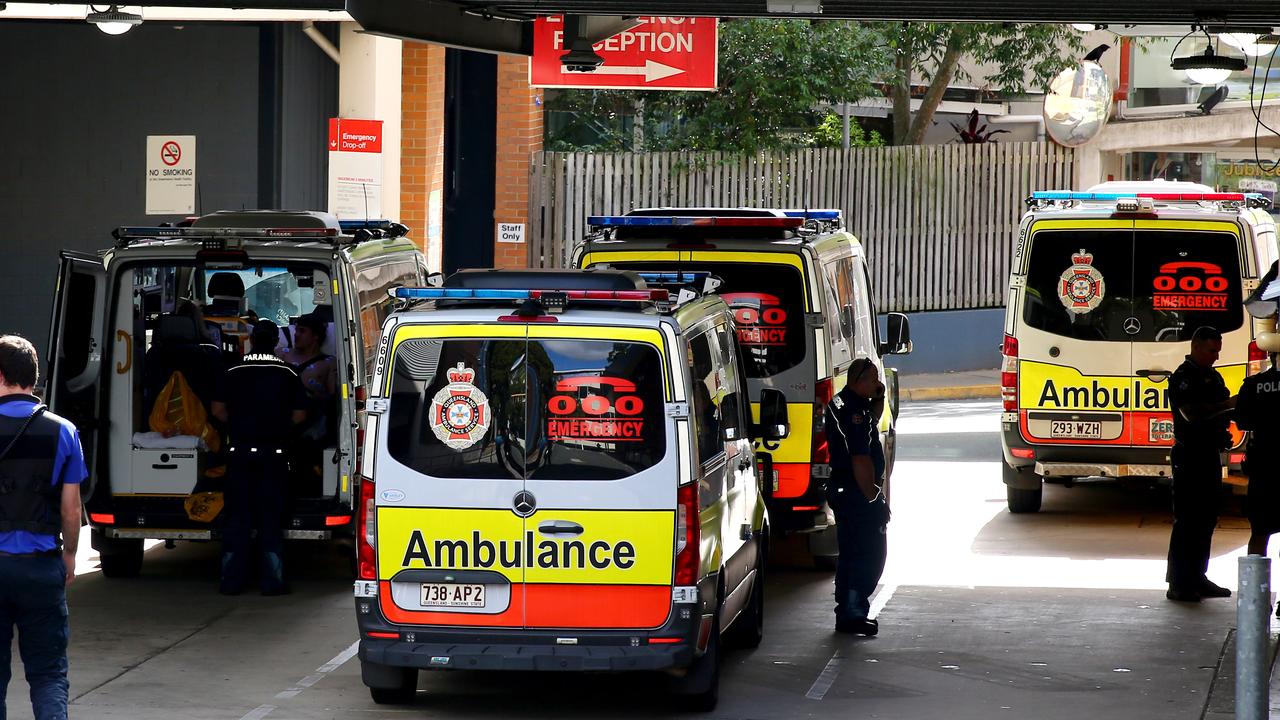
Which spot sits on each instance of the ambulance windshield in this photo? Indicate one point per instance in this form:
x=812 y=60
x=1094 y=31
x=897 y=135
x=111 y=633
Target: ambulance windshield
x=1154 y=285
x=768 y=307
x=542 y=409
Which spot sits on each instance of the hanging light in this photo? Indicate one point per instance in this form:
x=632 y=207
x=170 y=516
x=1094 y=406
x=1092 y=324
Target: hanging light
x=113 y=21
x=1264 y=45
x=1238 y=40
x=1208 y=68
x=1084 y=27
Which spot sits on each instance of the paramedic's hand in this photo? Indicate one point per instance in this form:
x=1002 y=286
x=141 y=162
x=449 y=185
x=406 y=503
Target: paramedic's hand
x=69 y=559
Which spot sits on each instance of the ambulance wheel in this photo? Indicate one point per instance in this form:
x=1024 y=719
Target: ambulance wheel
x=394 y=685
x=120 y=558
x=699 y=689
x=1024 y=501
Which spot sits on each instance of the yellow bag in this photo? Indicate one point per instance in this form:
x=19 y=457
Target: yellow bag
x=203 y=506
x=179 y=412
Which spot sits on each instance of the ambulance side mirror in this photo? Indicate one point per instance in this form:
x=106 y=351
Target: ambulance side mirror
x=774 y=424
x=898 y=337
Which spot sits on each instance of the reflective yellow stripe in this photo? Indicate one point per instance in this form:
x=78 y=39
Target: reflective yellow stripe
x=594 y=258
x=797 y=447
x=1204 y=225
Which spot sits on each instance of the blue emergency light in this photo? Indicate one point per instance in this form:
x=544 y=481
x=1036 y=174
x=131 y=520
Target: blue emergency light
x=830 y=215
x=674 y=278
x=418 y=293
x=1068 y=195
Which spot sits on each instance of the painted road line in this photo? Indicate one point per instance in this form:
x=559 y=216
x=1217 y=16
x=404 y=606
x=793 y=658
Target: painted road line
x=315 y=677
x=828 y=676
x=338 y=661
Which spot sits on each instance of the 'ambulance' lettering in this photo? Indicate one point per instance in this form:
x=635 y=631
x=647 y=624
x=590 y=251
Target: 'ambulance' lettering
x=528 y=552
x=1098 y=397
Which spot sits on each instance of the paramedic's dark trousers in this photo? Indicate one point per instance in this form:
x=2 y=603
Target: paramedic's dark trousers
x=1197 y=482
x=33 y=597
x=860 y=532
x=254 y=501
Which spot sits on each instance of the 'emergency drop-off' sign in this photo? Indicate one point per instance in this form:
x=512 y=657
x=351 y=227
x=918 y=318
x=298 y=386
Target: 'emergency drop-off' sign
x=171 y=174
x=355 y=168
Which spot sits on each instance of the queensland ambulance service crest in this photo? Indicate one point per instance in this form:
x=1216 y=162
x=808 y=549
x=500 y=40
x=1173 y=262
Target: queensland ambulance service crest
x=460 y=412
x=1081 y=288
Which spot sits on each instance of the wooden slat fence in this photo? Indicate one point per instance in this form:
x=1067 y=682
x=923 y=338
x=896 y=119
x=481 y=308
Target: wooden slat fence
x=938 y=221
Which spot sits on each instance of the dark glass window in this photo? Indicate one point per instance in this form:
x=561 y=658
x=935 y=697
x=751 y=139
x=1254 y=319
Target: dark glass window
x=768 y=305
x=551 y=409
x=1118 y=285
x=706 y=403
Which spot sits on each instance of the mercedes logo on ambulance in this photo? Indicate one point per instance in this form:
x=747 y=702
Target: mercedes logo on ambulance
x=524 y=503
x=1132 y=326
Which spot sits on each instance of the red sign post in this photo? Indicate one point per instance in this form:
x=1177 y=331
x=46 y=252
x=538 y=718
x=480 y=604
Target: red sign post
x=661 y=53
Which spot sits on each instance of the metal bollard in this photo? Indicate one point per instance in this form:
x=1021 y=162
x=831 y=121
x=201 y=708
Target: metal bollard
x=1253 y=615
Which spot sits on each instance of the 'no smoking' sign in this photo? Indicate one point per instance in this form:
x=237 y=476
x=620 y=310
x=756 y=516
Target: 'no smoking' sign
x=171 y=174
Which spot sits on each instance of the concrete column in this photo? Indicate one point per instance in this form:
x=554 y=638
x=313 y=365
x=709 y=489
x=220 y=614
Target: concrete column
x=369 y=89
x=1088 y=170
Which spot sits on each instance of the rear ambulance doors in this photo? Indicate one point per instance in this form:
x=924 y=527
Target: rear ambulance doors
x=525 y=476
x=76 y=345
x=1106 y=316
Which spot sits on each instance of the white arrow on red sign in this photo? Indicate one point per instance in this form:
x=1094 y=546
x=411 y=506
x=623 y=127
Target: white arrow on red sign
x=652 y=71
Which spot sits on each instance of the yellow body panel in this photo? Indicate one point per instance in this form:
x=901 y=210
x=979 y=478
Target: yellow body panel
x=1044 y=386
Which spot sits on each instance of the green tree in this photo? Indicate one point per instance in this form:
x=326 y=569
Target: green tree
x=774 y=74
x=932 y=52
x=829 y=132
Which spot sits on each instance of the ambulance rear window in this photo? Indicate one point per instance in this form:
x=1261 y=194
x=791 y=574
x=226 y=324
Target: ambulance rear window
x=545 y=409
x=768 y=306
x=1122 y=286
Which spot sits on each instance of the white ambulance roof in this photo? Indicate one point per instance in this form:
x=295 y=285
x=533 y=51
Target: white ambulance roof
x=1150 y=186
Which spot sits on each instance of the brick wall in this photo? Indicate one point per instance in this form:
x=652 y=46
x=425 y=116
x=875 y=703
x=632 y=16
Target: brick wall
x=519 y=135
x=422 y=146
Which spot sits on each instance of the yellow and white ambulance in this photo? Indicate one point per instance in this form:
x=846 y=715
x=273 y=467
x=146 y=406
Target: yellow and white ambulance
x=558 y=475
x=1106 y=288
x=800 y=288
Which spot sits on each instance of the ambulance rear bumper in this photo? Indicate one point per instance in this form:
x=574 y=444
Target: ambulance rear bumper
x=434 y=655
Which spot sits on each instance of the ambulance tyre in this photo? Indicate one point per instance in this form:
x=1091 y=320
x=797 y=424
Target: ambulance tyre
x=699 y=689
x=1024 y=490
x=390 y=685
x=118 y=558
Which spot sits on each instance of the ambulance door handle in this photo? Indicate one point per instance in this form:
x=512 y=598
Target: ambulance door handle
x=560 y=527
x=1154 y=375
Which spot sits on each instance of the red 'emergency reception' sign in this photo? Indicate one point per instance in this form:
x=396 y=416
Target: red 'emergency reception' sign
x=661 y=53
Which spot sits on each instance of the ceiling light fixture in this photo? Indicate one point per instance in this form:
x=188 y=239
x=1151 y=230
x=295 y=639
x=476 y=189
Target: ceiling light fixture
x=1238 y=40
x=113 y=21
x=1263 y=45
x=1207 y=68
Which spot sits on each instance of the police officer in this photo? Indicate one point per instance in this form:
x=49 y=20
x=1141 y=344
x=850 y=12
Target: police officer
x=41 y=468
x=262 y=401
x=856 y=494
x=1258 y=410
x=1201 y=408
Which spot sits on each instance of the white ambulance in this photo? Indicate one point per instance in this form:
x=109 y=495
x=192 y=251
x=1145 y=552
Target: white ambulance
x=559 y=476
x=1106 y=288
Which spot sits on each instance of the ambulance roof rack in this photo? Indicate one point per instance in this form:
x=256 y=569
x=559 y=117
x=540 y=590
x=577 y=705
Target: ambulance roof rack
x=1064 y=198
x=228 y=229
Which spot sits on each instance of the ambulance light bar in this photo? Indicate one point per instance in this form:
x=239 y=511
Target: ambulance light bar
x=830 y=215
x=1050 y=195
x=141 y=233
x=604 y=221
x=416 y=293
x=386 y=228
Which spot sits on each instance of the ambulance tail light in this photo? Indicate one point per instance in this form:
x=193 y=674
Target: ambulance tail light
x=1009 y=373
x=687 y=535
x=1257 y=358
x=821 y=451
x=366 y=531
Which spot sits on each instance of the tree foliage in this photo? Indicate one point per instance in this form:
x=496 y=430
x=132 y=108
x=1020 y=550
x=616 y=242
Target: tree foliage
x=1020 y=56
x=774 y=77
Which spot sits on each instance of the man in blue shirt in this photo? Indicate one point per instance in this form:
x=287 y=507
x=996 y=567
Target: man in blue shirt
x=41 y=468
x=856 y=495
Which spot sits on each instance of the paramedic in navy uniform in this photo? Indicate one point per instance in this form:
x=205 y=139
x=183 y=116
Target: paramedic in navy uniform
x=1201 y=407
x=262 y=402
x=856 y=494
x=1258 y=410
x=41 y=468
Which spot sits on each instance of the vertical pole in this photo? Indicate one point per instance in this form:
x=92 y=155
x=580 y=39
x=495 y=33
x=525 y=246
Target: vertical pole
x=844 y=122
x=1253 y=605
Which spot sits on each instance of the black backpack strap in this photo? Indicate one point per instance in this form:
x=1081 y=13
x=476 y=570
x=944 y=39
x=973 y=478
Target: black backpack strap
x=39 y=411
